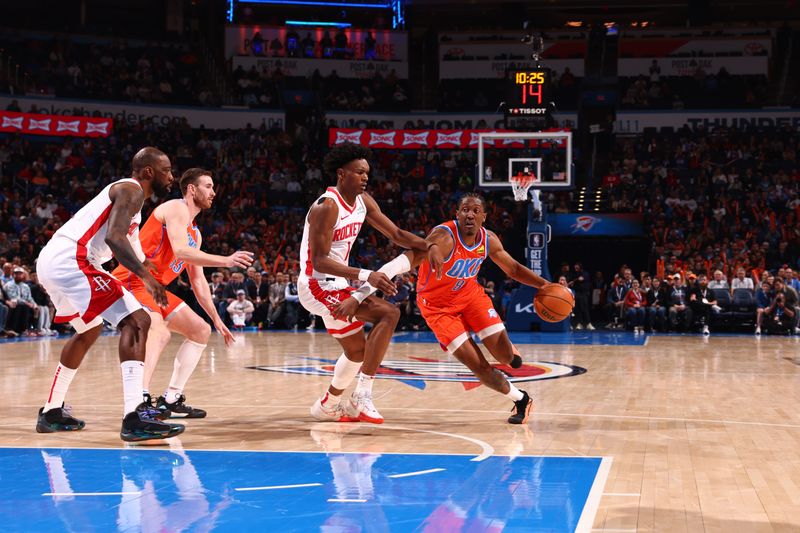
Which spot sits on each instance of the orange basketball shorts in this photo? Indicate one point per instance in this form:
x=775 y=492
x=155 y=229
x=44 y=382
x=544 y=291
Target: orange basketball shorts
x=137 y=288
x=452 y=323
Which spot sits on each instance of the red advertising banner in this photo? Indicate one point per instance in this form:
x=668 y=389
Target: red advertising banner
x=58 y=125
x=411 y=139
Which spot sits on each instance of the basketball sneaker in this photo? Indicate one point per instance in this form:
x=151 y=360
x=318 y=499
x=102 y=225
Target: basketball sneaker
x=361 y=406
x=179 y=409
x=335 y=413
x=521 y=410
x=141 y=425
x=151 y=407
x=58 y=419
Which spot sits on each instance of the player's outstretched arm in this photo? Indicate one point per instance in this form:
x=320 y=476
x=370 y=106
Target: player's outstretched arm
x=176 y=218
x=321 y=220
x=510 y=266
x=203 y=294
x=389 y=229
x=127 y=200
x=440 y=244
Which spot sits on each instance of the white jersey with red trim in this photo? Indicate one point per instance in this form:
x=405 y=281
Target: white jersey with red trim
x=348 y=224
x=89 y=226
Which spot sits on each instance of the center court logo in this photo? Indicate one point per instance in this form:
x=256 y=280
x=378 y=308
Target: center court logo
x=418 y=370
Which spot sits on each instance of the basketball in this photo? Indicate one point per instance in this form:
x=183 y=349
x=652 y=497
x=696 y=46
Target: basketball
x=553 y=303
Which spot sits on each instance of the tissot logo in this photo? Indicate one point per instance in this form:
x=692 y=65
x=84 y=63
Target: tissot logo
x=417 y=370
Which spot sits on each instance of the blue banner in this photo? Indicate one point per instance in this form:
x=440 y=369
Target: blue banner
x=596 y=225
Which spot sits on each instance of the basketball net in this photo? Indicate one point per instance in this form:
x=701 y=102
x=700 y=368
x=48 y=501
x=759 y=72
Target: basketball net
x=520 y=184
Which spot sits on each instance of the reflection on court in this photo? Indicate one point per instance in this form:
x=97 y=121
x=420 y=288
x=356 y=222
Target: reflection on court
x=175 y=490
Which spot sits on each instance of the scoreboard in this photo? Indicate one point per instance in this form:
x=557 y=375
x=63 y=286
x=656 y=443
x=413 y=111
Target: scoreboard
x=528 y=93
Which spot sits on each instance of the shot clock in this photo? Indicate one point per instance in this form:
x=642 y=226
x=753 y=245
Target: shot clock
x=528 y=93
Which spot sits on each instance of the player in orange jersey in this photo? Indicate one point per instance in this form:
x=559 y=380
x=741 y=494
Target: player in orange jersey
x=171 y=242
x=454 y=304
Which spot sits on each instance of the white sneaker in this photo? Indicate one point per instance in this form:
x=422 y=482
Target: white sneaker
x=716 y=308
x=705 y=331
x=758 y=332
x=590 y=327
x=360 y=406
x=335 y=413
x=579 y=326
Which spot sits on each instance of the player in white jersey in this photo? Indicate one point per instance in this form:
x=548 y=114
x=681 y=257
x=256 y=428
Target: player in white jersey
x=332 y=226
x=70 y=269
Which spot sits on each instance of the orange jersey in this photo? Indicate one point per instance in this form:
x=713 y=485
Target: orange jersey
x=157 y=248
x=458 y=271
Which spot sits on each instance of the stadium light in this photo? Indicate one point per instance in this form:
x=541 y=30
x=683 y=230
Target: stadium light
x=316 y=3
x=317 y=24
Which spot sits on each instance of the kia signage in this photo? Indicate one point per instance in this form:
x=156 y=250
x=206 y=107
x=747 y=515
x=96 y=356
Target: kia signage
x=596 y=225
x=57 y=125
x=161 y=115
x=344 y=68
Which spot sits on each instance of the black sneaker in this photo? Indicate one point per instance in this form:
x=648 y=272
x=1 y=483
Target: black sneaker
x=58 y=419
x=521 y=410
x=179 y=409
x=151 y=407
x=140 y=425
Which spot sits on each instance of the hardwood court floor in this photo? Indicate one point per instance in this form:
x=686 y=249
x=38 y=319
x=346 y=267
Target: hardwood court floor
x=704 y=433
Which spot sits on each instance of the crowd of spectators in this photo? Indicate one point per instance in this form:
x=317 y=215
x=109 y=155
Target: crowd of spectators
x=110 y=69
x=723 y=201
x=766 y=301
x=701 y=90
x=329 y=46
x=269 y=87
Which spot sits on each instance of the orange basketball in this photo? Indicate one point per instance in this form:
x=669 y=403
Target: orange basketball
x=553 y=303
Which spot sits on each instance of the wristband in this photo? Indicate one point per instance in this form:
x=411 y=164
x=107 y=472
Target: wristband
x=359 y=295
x=363 y=274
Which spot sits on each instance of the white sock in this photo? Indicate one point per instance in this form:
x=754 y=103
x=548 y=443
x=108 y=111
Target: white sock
x=185 y=362
x=344 y=372
x=514 y=393
x=364 y=385
x=395 y=267
x=132 y=384
x=61 y=380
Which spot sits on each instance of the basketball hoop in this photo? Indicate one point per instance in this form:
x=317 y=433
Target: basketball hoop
x=520 y=184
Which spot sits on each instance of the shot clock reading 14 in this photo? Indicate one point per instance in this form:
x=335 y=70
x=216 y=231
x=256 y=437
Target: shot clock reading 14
x=528 y=92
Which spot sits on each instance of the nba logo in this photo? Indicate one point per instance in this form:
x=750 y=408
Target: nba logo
x=536 y=240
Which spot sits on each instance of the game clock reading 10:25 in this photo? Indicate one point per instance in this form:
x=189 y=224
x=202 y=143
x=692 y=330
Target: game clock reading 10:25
x=527 y=92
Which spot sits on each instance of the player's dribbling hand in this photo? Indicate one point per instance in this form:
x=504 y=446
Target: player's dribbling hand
x=436 y=260
x=240 y=259
x=156 y=290
x=346 y=310
x=381 y=281
x=227 y=336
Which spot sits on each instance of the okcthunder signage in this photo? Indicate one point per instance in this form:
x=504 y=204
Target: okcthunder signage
x=416 y=371
x=599 y=225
